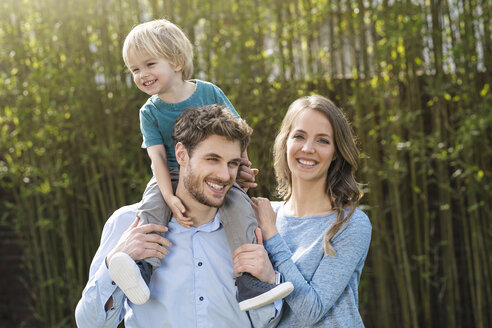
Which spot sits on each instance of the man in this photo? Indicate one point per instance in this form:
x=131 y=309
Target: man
x=194 y=285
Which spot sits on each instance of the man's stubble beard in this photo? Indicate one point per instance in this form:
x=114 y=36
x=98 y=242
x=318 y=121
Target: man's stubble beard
x=192 y=185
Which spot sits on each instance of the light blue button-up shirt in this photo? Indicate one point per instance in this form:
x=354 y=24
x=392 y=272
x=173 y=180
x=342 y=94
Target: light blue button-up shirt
x=192 y=288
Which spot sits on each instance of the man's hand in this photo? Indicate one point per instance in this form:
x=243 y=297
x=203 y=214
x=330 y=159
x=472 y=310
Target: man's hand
x=140 y=243
x=253 y=258
x=179 y=210
x=246 y=175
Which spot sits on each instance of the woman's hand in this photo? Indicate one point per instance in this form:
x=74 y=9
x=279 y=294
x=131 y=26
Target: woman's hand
x=266 y=216
x=253 y=258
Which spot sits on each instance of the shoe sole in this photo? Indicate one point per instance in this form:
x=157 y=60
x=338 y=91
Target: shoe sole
x=271 y=296
x=126 y=274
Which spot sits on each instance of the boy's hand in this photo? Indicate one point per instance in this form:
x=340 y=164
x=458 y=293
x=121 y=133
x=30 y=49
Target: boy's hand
x=178 y=209
x=246 y=175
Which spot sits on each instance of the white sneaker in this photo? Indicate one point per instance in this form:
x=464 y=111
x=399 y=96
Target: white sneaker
x=126 y=274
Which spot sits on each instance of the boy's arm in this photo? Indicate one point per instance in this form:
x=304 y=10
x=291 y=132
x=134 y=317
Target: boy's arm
x=157 y=154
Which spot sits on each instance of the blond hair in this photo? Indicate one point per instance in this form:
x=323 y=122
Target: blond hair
x=342 y=189
x=161 y=38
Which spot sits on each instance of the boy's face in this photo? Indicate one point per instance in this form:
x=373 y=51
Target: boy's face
x=154 y=75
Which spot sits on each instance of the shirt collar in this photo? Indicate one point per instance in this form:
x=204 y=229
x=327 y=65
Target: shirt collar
x=207 y=227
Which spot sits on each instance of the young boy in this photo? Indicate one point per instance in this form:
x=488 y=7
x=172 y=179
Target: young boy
x=160 y=57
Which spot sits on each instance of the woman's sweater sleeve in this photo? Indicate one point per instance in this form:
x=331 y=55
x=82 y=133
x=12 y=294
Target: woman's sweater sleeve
x=312 y=299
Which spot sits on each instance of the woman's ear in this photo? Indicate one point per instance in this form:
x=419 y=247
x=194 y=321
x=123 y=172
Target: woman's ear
x=181 y=154
x=335 y=156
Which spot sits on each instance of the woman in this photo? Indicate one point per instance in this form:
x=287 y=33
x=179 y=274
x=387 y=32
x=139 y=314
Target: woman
x=317 y=238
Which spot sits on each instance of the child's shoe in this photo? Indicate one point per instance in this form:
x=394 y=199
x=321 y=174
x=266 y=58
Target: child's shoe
x=126 y=274
x=253 y=293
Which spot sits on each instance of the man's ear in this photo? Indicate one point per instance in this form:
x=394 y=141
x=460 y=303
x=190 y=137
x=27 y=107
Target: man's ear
x=181 y=154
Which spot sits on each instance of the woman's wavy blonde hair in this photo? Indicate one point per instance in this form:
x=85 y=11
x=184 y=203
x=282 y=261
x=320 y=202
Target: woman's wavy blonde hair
x=341 y=187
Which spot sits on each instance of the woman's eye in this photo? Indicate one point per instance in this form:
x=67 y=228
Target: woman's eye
x=324 y=141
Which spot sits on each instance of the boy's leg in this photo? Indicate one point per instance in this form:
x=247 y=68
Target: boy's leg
x=238 y=218
x=240 y=223
x=154 y=210
x=133 y=277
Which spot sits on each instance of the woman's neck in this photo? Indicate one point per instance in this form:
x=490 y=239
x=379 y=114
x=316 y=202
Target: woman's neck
x=308 y=199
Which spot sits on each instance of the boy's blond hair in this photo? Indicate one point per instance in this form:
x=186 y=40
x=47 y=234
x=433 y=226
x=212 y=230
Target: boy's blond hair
x=161 y=38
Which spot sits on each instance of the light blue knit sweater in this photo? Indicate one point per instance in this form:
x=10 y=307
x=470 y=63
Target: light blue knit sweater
x=326 y=287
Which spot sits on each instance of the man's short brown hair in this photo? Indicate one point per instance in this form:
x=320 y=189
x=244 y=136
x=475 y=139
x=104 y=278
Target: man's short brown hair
x=195 y=124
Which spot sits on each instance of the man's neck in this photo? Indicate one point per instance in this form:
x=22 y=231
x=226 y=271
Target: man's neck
x=198 y=212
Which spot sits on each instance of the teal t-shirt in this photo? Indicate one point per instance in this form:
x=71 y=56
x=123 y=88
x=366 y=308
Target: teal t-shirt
x=157 y=118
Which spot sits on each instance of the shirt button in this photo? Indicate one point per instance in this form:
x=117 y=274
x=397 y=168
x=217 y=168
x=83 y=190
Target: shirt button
x=200 y=263
x=113 y=283
x=201 y=298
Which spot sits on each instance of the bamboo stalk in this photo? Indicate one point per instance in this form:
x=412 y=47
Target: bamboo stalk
x=331 y=43
x=340 y=48
x=409 y=308
x=487 y=37
x=290 y=43
x=279 y=29
x=419 y=203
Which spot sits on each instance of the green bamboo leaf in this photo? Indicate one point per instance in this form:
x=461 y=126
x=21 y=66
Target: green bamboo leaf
x=485 y=90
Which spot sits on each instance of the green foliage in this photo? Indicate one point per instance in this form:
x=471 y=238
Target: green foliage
x=413 y=76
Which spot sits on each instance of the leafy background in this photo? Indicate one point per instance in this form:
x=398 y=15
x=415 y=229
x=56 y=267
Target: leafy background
x=413 y=76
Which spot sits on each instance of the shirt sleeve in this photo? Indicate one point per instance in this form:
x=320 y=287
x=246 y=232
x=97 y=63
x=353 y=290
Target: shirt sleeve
x=90 y=310
x=149 y=128
x=220 y=98
x=311 y=300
